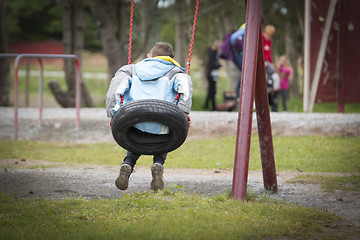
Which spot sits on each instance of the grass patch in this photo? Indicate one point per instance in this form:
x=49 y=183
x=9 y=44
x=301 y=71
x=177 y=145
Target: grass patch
x=330 y=183
x=296 y=105
x=308 y=154
x=165 y=215
x=317 y=153
x=100 y=153
x=96 y=87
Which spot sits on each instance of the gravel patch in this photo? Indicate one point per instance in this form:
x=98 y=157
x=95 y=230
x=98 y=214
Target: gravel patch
x=60 y=124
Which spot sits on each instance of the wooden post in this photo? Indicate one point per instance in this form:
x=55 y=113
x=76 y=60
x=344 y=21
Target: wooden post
x=253 y=73
x=264 y=124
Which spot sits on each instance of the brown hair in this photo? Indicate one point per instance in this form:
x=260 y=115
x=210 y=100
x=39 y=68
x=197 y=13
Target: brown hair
x=162 y=49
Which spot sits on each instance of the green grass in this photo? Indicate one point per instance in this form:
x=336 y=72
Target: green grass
x=308 y=154
x=174 y=214
x=96 y=87
x=296 y=105
x=165 y=215
x=330 y=183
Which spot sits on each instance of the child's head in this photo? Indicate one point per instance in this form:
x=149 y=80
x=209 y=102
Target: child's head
x=269 y=31
x=283 y=60
x=216 y=45
x=161 y=49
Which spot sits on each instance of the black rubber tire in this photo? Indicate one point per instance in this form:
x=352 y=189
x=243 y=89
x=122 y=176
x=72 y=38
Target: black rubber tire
x=149 y=110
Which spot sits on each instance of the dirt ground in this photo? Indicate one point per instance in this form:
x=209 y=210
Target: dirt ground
x=26 y=178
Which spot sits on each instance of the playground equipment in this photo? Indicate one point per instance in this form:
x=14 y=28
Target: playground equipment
x=18 y=57
x=151 y=110
x=138 y=111
x=253 y=82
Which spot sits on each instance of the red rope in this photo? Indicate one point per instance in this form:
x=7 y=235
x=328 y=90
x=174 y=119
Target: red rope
x=130 y=30
x=192 y=37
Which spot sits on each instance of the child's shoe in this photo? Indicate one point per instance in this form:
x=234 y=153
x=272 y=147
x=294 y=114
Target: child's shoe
x=157 y=182
x=122 y=182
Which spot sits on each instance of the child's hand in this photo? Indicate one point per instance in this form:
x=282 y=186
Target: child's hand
x=189 y=119
x=110 y=123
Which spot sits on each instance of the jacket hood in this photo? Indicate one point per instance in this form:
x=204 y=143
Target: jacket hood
x=153 y=68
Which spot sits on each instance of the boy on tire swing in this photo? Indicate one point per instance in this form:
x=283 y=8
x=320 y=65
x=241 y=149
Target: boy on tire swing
x=158 y=76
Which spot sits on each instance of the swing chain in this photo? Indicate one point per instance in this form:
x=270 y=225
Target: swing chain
x=131 y=30
x=192 y=36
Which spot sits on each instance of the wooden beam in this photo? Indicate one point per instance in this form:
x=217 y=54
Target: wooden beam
x=307 y=43
x=321 y=55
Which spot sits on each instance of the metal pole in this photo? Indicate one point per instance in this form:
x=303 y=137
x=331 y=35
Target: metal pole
x=242 y=151
x=16 y=86
x=41 y=91
x=39 y=56
x=78 y=92
x=264 y=124
x=27 y=103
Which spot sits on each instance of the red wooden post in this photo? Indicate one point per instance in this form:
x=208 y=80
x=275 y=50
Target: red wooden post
x=264 y=124
x=241 y=164
x=253 y=79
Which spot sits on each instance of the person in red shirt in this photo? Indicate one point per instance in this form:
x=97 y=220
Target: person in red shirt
x=267 y=35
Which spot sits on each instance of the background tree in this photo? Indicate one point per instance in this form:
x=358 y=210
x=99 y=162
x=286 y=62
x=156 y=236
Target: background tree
x=293 y=40
x=286 y=16
x=107 y=28
x=73 y=39
x=216 y=19
x=180 y=32
x=42 y=20
x=34 y=20
x=112 y=18
x=4 y=62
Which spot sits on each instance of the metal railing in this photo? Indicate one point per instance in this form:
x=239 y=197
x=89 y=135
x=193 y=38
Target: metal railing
x=18 y=57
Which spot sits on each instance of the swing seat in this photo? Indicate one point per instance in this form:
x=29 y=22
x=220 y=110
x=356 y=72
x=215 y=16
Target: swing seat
x=149 y=110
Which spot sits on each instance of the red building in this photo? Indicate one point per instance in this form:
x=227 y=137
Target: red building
x=331 y=69
x=39 y=47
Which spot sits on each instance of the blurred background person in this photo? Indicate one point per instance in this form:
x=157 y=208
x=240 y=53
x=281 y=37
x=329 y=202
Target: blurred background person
x=212 y=74
x=284 y=70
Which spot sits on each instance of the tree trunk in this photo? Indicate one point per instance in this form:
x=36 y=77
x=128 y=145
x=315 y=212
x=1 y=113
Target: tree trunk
x=110 y=17
x=4 y=62
x=293 y=57
x=292 y=23
x=147 y=11
x=104 y=13
x=229 y=25
x=73 y=41
x=180 y=32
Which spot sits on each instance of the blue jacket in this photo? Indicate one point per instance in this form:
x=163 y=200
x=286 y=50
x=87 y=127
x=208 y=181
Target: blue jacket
x=237 y=38
x=152 y=78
